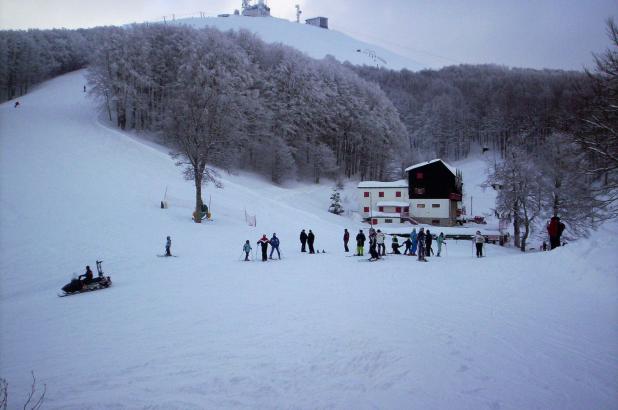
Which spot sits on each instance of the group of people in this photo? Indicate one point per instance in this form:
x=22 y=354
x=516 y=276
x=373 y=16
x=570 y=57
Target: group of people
x=263 y=243
x=420 y=242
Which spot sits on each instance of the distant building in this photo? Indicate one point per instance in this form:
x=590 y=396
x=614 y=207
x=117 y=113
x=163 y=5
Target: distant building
x=431 y=194
x=255 y=10
x=318 y=21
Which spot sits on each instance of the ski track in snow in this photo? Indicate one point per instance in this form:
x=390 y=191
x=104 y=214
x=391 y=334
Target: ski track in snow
x=204 y=330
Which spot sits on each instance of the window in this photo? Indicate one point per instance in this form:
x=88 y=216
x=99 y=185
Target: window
x=366 y=209
x=381 y=194
x=398 y=194
x=435 y=205
x=388 y=221
x=398 y=209
x=366 y=194
x=419 y=175
x=419 y=191
x=374 y=221
x=435 y=222
x=420 y=205
x=381 y=208
x=406 y=209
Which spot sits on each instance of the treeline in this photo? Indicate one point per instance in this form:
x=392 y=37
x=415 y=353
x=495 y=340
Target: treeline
x=30 y=57
x=244 y=104
x=449 y=111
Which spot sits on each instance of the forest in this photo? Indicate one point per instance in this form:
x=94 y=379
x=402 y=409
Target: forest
x=231 y=101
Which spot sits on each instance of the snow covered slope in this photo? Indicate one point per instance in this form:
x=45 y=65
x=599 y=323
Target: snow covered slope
x=206 y=330
x=314 y=41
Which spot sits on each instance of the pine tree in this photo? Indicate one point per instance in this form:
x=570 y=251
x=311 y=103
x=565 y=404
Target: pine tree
x=335 y=206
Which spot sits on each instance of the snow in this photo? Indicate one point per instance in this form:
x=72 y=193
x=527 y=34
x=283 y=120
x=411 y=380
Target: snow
x=393 y=203
x=204 y=330
x=422 y=164
x=402 y=183
x=313 y=41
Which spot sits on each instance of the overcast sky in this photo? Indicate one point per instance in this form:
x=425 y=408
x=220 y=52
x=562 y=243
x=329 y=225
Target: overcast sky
x=522 y=33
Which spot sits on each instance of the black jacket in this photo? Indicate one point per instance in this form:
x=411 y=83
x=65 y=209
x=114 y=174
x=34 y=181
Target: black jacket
x=310 y=237
x=360 y=239
x=303 y=237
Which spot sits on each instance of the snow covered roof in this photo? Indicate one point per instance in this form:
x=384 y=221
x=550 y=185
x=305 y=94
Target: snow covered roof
x=384 y=214
x=393 y=203
x=422 y=164
x=402 y=183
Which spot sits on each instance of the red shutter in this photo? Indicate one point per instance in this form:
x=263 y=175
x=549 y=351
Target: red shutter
x=406 y=209
x=374 y=221
x=366 y=209
x=381 y=208
x=398 y=209
x=381 y=194
x=366 y=194
x=398 y=194
x=419 y=175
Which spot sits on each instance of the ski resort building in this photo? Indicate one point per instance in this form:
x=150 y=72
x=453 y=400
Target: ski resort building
x=431 y=194
x=255 y=10
x=321 y=22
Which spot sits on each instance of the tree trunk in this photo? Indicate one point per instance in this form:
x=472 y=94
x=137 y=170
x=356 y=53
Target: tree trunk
x=525 y=237
x=198 y=196
x=516 y=232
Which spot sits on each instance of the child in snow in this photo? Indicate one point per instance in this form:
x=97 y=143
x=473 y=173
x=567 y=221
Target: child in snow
x=479 y=240
x=247 y=249
x=408 y=245
x=395 y=245
x=414 y=239
x=168 y=247
x=440 y=241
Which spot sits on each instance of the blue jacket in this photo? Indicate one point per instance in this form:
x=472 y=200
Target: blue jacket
x=274 y=242
x=413 y=236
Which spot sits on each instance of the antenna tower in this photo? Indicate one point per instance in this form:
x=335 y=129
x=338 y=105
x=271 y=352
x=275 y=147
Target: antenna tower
x=298 y=13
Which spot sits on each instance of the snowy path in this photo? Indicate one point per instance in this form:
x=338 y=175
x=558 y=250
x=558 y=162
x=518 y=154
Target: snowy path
x=205 y=330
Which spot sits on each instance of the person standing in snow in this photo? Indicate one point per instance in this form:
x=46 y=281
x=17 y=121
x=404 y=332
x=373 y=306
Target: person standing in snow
x=428 y=242
x=380 y=239
x=395 y=245
x=420 y=241
x=247 y=249
x=373 y=244
x=264 y=242
x=16 y=104
x=310 y=240
x=346 y=239
x=360 y=243
x=168 y=247
x=440 y=241
x=554 y=229
x=479 y=240
x=414 y=239
x=274 y=245
x=303 y=241
x=408 y=245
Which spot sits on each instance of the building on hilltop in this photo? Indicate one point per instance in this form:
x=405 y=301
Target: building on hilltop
x=318 y=22
x=431 y=194
x=255 y=10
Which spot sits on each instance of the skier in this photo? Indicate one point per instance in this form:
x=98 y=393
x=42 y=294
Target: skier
x=310 y=240
x=168 y=247
x=380 y=238
x=373 y=244
x=88 y=276
x=428 y=241
x=16 y=104
x=360 y=243
x=479 y=240
x=264 y=242
x=395 y=245
x=414 y=239
x=408 y=244
x=247 y=249
x=440 y=241
x=420 y=241
x=554 y=229
x=346 y=239
x=274 y=245
x=84 y=88
x=303 y=240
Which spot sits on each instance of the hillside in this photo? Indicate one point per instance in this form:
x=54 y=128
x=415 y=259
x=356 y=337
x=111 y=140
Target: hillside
x=205 y=330
x=314 y=41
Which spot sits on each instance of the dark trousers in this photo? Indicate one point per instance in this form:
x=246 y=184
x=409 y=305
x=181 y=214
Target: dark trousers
x=167 y=251
x=421 y=252
x=479 y=250
x=311 y=247
x=345 y=245
x=246 y=256
x=272 y=249
x=264 y=253
x=554 y=242
x=303 y=244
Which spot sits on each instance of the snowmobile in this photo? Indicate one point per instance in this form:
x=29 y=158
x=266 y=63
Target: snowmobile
x=77 y=286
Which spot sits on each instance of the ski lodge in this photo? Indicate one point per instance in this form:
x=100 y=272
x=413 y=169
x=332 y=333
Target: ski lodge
x=430 y=194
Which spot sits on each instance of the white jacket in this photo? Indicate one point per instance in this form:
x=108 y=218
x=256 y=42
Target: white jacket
x=478 y=238
x=380 y=238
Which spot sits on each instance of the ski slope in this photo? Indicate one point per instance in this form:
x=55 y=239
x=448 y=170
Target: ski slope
x=313 y=41
x=207 y=331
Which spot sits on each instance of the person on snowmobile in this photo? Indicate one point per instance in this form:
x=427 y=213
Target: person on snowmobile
x=168 y=247
x=264 y=242
x=88 y=276
x=274 y=245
